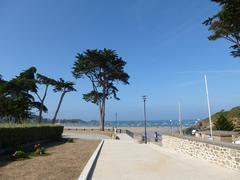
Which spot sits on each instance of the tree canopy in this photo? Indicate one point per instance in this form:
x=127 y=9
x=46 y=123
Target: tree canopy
x=16 y=100
x=17 y=96
x=226 y=24
x=222 y=123
x=105 y=69
x=64 y=87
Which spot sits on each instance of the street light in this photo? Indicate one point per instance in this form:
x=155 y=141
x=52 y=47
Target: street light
x=145 y=118
x=209 y=108
x=171 y=125
x=180 y=118
x=116 y=116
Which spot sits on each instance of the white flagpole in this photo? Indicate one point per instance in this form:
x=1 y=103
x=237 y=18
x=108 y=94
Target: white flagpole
x=209 y=107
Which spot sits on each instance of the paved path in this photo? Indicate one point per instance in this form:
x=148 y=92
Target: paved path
x=124 y=159
x=124 y=137
x=85 y=136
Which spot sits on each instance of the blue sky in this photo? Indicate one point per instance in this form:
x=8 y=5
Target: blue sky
x=164 y=43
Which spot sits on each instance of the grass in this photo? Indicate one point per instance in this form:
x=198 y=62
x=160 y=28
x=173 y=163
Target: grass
x=63 y=161
x=90 y=131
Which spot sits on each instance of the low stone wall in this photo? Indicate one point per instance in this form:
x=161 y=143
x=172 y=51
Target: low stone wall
x=223 y=154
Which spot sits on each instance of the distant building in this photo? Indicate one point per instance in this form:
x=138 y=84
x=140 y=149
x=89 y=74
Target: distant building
x=219 y=136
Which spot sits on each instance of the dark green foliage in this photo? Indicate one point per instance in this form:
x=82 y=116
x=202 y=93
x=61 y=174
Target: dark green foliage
x=14 y=136
x=232 y=115
x=226 y=24
x=17 y=96
x=19 y=155
x=41 y=79
x=70 y=140
x=1 y=79
x=16 y=100
x=222 y=123
x=38 y=105
x=64 y=86
x=105 y=69
x=39 y=150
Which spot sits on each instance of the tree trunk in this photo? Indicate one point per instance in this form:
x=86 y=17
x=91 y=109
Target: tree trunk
x=102 y=115
x=42 y=104
x=58 y=107
x=40 y=113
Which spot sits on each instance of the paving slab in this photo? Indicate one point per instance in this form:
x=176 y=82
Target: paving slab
x=125 y=159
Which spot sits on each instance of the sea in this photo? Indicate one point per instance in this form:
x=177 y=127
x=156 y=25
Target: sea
x=123 y=123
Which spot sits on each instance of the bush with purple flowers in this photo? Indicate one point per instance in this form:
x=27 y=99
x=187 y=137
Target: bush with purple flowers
x=39 y=150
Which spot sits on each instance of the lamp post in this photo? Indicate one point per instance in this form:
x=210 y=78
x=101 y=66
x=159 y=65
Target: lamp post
x=116 y=116
x=145 y=119
x=209 y=108
x=180 y=118
x=171 y=125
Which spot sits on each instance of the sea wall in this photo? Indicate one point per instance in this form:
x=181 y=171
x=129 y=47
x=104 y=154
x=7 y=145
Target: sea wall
x=223 y=154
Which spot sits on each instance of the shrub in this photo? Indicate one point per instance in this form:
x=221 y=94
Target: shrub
x=19 y=155
x=16 y=135
x=70 y=140
x=222 y=123
x=39 y=150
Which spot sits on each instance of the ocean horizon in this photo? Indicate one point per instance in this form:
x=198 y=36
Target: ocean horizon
x=124 y=123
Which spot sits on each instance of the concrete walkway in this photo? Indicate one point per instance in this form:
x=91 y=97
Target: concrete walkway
x=85 y=136
x=124 y=159
x=124 y=137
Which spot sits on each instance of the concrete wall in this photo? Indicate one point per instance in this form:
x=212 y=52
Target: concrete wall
x=223 y=154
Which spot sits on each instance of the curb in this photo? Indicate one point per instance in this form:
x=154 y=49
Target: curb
x=86 y=173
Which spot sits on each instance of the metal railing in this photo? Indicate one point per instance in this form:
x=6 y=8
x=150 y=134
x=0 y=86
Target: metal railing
x=130 y=133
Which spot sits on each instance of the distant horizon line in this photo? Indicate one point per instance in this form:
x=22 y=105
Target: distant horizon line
x=133 y=120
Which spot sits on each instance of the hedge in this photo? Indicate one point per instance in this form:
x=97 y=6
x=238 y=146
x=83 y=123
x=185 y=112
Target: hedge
x=15 y=135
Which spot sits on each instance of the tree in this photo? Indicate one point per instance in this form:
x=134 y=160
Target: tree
x=1 y=79
x=222 y=123
x=2 y=98
x=226 y=24
x=16 y=96
x=43 y=80
x=64 y=87
x=104 y=68
x=17 y=100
